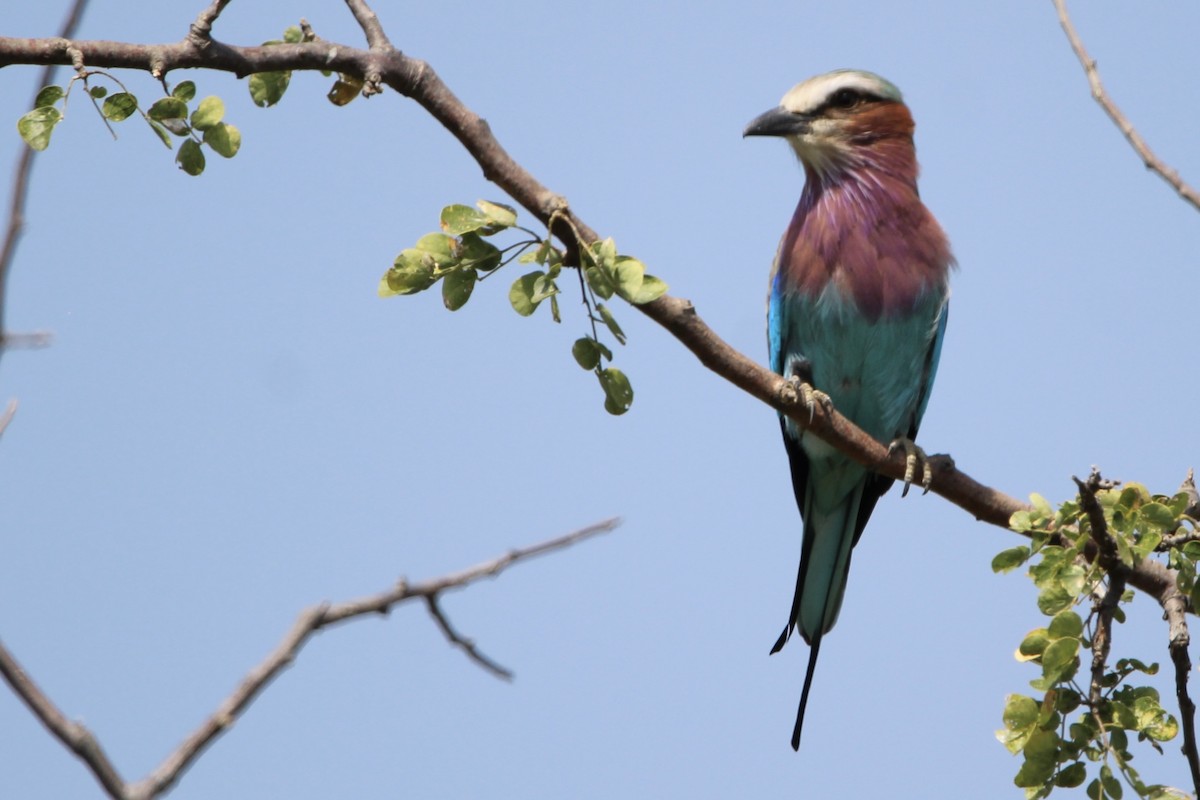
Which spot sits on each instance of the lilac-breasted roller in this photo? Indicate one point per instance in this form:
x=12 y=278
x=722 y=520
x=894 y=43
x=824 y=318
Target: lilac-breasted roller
x=855 y=313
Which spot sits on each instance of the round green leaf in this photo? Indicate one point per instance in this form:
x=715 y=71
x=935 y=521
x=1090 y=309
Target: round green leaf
x=652 y=288
x=457 y=287
x=344 y=89
x=618 y=393
x=412 y=272
x=1072 y=776
x=210 y=112
x=458 y=219
x=1066 y=624
x=184 y=90
x=267 y=88
x=478 y=253
x=48 y=96
x=190 y=157
x=586 y=353
x=1059 y=659
x=498 y=214
x=440 y=246
x=629 y=273
x=1008 y=560
x=1033 y=645
x=522 y=293
x=98 y=92
x=118 y=106
x=36 y=126
x=224 y=139
x=166 y=108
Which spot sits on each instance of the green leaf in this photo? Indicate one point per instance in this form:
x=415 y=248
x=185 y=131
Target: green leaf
x=1060 y=660
x=119 y=106
x=344 y=89
x=36 y=126
x=1158 y=515
x=162 y=133
x=166 y=108
x=586 y=353
x=49 y=95
x=599 y=282
x=1020 y=720
x=629 y=273
x=190 y=157
x=1054 y=598
x=184 y=90
x=1041 y=759
x=1033 y=645
x=224 y=139
x=480 y=254
x=554 y=308
x=652 y=288
x=293 y=35
x=267 y=88
x=1008 y=560
x=1112 y=787
x=210 y=112
x=498 y=214
x=522 y=293
x=458 y=219
x=1072 y=776
x=611 y=322
x=441 y=247
x=1066 y=624
x=98 y=92
x=457 y=287
x=618 y=394
x=412 y=272
x=1153 y=720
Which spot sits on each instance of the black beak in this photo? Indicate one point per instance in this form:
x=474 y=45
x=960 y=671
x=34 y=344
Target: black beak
x=778 y=122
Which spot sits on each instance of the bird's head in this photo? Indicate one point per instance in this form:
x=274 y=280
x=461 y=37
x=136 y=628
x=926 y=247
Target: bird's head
x=839 y=121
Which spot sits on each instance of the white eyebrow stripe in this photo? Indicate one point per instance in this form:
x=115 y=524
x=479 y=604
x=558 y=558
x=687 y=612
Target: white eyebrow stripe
x=811 y=94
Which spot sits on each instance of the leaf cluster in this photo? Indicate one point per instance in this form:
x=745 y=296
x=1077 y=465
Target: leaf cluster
x=461 y=256
x=1057 y=753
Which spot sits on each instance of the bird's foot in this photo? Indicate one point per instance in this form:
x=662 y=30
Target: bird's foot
x=797 y=391
x=913 y=455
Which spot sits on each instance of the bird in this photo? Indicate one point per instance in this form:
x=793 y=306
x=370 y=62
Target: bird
x=856 y=313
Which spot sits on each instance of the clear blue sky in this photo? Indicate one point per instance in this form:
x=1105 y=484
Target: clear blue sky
x=231 y=426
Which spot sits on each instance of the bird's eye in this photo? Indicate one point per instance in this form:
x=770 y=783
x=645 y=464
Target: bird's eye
x=845 y=98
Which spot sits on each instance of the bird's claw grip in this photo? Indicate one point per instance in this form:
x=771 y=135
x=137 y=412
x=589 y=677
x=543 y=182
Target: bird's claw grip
x=913 y=455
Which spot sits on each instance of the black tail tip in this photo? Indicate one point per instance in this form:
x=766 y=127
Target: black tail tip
x=781 y=641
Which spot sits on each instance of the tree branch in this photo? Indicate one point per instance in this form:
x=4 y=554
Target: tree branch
x=74 y=736
x=415 y=79
x=20 y=185
x=1152 y=162
x=80 y=740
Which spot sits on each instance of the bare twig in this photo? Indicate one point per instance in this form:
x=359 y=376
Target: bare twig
x=1152 y=162
x=372 y=29
x=9 y=412
x=467 y=645
x=81 y=741
x=201 y=29
x=1175 y=607
x=20 y=185
x=1106 y=597
x=74 y=736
